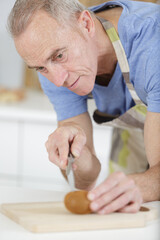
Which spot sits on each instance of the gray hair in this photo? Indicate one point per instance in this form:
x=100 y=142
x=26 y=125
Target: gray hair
x=64 y=11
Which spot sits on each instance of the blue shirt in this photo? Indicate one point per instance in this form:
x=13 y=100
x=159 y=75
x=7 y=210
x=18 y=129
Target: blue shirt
x=139 y=32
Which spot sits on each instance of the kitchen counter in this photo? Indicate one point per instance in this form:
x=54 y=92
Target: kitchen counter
x=11 y=230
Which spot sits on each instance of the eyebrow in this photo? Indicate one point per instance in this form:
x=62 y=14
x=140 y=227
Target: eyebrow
x=52 y=55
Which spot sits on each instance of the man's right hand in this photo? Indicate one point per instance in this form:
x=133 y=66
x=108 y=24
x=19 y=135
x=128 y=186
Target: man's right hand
x=75 y=135
x=66 y=138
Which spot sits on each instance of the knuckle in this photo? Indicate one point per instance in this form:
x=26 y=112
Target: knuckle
x=59 y=135
x=102 y=188
x=53 y=159
x=107 y=198
x=51 y=156
x=123 y=201
x=128 y=197
x=131 y=182
x=136 y=191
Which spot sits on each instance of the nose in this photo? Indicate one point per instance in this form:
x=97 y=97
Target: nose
x=57 y=74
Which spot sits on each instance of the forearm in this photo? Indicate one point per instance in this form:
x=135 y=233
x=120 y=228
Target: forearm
x=149 y=183
x=88 y=169
x=87 y=165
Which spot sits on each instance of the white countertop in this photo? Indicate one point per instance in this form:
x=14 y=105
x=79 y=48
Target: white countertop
x=10 y=230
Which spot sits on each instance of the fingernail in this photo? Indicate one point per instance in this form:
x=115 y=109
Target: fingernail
x=91 y=196
x=76 y=153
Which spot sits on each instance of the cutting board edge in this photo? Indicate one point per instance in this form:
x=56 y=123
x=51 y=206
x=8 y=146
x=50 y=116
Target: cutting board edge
x=43 y=229
x=49 y=229
x=6 y=213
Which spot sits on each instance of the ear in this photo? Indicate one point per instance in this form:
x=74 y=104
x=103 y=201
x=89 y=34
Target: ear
x=86 y=22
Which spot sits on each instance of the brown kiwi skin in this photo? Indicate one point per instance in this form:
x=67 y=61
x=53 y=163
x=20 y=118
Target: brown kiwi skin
x=77 y=202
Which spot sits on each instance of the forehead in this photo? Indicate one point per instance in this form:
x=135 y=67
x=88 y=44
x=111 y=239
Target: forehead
x=42 y=31
x=42 y=23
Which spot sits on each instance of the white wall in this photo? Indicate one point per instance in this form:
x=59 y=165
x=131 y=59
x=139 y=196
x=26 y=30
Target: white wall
x=11 y=65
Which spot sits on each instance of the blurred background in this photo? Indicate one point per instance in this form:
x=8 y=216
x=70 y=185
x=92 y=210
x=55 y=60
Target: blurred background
x=27 y=118
x=13 y=72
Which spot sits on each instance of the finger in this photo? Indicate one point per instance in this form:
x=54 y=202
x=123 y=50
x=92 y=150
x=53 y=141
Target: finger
x=135 y=205
x=114 y=193
x=118 y=203
x=77 y=145
x=54 y=157
x=106 y=186
x=131 y=208
x=63 y=154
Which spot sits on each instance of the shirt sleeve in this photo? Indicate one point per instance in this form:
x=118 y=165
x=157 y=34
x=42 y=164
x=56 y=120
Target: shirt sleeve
x=153 y=80
x=66 y=103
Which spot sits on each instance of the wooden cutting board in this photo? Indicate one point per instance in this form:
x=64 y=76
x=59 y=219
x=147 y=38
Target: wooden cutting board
x=54 y=217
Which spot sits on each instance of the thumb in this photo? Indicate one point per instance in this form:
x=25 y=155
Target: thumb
x=77 y=145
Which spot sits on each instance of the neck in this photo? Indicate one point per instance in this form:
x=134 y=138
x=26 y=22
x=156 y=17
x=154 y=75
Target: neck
x=107 y=59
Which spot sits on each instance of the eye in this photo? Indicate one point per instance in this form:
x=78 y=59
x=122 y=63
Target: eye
x=60 y=56
x=40 y=69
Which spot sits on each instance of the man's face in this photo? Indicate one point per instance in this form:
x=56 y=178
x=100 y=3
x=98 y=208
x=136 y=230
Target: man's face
x=63 y=55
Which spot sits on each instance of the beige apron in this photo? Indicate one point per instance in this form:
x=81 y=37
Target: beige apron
x=127 y=151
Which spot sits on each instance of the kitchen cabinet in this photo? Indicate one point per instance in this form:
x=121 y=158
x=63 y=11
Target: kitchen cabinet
x=34 y=153
x=36 y=165
x=9 y=133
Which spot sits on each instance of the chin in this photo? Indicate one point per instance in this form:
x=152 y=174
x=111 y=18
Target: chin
x=83 y=93
x=87 y=90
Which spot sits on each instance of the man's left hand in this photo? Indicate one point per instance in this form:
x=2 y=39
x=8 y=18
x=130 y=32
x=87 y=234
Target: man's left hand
x=117 y=193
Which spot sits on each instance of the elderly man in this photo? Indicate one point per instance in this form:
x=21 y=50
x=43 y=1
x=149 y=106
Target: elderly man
x=69 y=46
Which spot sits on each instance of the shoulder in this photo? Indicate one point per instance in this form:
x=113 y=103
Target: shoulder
x=139 y=30
x=111 y=15
x=127 y=12
x=153 y=68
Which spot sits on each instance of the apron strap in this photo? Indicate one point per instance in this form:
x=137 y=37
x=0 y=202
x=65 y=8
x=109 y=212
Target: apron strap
x=121 y=56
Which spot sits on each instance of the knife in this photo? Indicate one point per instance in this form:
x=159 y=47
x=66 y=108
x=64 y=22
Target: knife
x=69 y=172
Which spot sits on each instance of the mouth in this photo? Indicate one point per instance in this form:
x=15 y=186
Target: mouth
x=74 y=85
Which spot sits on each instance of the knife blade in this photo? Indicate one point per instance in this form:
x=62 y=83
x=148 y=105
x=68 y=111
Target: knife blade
x=70 y=173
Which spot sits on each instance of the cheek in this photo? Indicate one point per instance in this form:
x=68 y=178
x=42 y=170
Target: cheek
x=81 y=54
